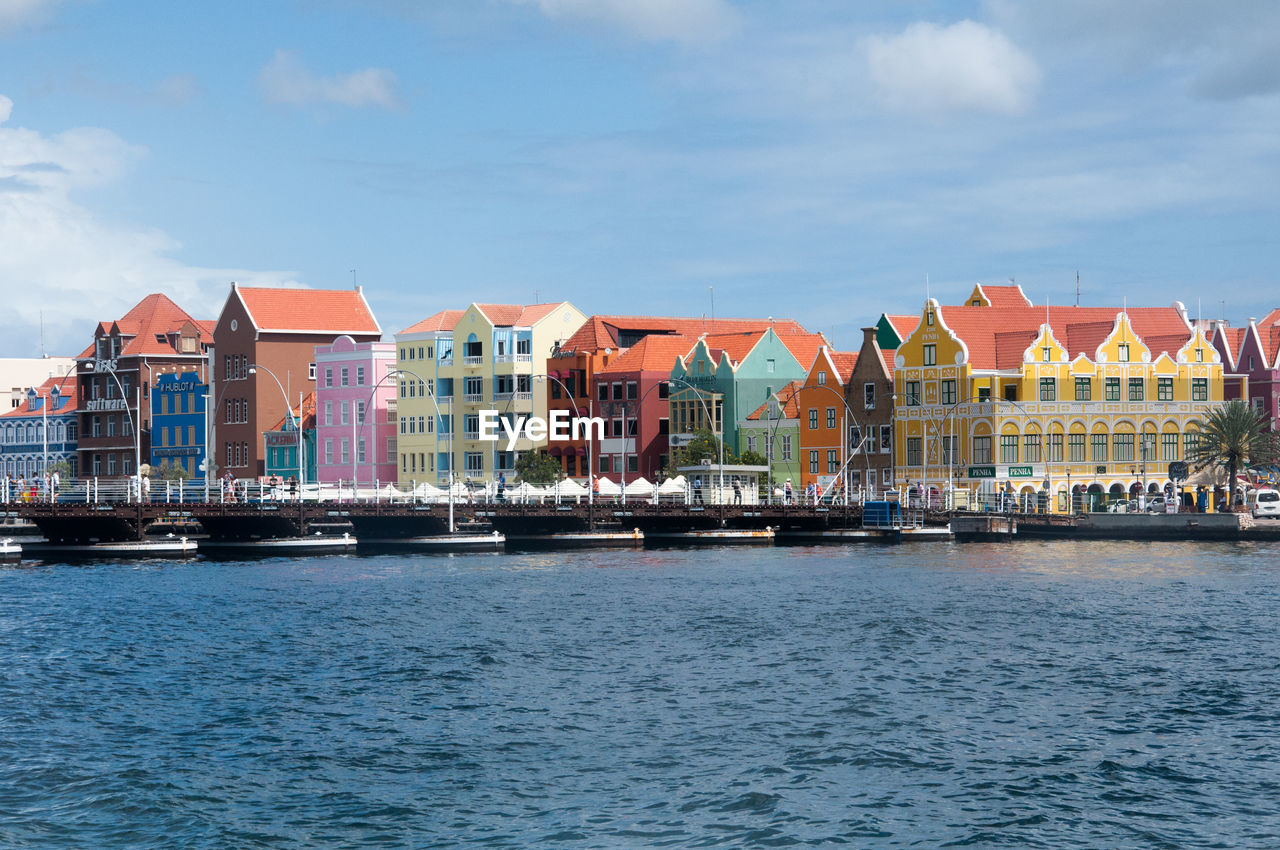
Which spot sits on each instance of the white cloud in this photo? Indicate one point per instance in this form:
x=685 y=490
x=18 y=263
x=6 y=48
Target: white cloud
x=285 y=80
x=71 y=263
x=683 y=21
x=15 y=13
x=6 y=108
x=960 y=68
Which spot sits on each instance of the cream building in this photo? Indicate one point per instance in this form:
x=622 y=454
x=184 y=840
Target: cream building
x=457 y=363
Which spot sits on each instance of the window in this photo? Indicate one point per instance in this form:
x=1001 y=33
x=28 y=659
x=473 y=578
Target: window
x=473 y=461
x=886 y=476
x=1084 y=389
x=1075 y=448
x=1048 y=389
x=328 y=452
x=831 y=417
x=1164 y=390
x=912 y=393
x=948 y=391
x=1168 y=446
x=1189 y=441
x=886 y=439
x=1046 y=353
x=346 y=413
x=869 y=396
x=632 y=390
x=833 y=461
x=1135 y=389
x=359 y=412
x=1199 y=389
x=1098 y=448
x=311 y=371
x=1199 y=355
x=813 y=420
x=328 y=376
x=751 y=444
x=1031 y=448
x=1111 y=389
x=915 y=453
x=981 y=450
x=813 y=462
x=768 y=366
x=617 y=391
x=360 y=451
x=602 y=392
x=1008 y=448
x=1122 y=448
x=359 y=376
x=328 y=413
x=1054 y=448
x=1123 y=352
x=605 y=465
x=931 y=355
x=786 y=447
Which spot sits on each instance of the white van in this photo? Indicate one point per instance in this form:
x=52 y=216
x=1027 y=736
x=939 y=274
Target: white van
x=1264 y=502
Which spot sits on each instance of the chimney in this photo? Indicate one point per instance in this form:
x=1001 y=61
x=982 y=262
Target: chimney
x=868 y=337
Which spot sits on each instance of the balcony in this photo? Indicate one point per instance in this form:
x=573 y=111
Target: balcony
x=470 y=435
x=503 y=396
x=524 y=396
x=446 y=362
x=473 y=360
x=472 y=398
x=524 y=358
x=504 y=358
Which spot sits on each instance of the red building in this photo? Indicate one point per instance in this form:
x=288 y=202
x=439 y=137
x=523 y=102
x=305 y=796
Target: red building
x=115 y=375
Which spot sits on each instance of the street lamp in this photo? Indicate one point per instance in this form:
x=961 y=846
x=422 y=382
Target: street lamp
x=297 y=420
x=133 y=423
x=590 y=443
x=710 y=419
x=844 y=434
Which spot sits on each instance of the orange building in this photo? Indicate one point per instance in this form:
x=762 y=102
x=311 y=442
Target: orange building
x=824 y=409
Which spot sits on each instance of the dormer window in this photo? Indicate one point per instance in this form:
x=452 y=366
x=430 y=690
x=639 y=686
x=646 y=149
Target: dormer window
x=1047 y=352
x=1124 y=352
x=1199 y=355
x=928 y=317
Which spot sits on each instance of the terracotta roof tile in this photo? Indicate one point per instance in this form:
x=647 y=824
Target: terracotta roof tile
x=307 y=412
x=1080 y=329
x=844 y=361
x=68 y=387
x=653 y=353
x=445 y=320
x=1005 y=296
x=154 y=316
x=604 y=331
x=331 y=311
x=903 y=325
x=1233 y=339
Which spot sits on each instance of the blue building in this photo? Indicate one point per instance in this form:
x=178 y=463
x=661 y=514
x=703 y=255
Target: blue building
x=281 y=444
x=178 y=426
x=41 y=432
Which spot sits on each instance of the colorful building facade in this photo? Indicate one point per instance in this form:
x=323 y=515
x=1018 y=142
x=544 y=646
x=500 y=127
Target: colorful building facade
x=1078 y=404
x=356 y=390
x=41 y=431
x=827 y=421
x=456 y=365
x=179 y=427
x=772 y=430
x=282 y=445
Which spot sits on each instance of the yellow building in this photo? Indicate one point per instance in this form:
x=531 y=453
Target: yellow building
x=1039 y=403
x=487 y=357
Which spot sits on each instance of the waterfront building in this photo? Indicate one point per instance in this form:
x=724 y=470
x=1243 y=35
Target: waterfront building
x=773 y=431
x=871 y=396
x=281 y=443
x=41 y=432
x=115 y=374
x=600 y=341
x=824 y=411
x=20 y=374
x=355 y=397
x=456 y=364
x=726 y=376
x=178 y=424
x=276 y=330
x=1075 y=403
x=1251 y=360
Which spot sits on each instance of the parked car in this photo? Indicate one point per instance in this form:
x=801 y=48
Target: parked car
x=1122 y=506
x=1158 y=504
x=1265 y=502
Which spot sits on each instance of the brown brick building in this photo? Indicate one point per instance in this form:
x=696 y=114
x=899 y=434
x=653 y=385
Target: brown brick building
x=277 y=331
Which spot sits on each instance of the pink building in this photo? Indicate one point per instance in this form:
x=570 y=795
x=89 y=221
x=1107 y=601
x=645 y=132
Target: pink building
x=355 y=405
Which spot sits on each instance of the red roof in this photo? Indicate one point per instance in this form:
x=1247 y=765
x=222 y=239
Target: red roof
x=904 y=326
x=790 y=407
x=445 y=320
x=67 y=387
x=993 y=335
x=516 y=315
x=1233 y=339
x=653 y=353
x=149 y=328
x=330 y=311
x=307 y=412
x=1005 y=296
x=601 y=332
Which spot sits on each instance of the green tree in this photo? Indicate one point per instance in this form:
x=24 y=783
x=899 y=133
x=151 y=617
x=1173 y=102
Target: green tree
x=1234 y=436
x=172 y=473
x=538 y=467
x=753 y=459
x=705 y=444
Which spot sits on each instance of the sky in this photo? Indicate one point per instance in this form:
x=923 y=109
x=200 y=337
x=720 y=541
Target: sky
x=816 y=160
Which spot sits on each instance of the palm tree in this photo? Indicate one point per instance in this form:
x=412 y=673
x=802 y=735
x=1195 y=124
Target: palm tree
x=1234 y=436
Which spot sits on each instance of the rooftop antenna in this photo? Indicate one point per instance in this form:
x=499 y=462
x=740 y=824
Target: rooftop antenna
x=354 y=283
x=42 y=354
x=1077 y=287
x=712 y=290
x=926 y=287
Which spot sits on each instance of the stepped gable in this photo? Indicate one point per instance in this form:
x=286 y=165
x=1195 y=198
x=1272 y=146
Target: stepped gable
x=445 y=320
x=328 y=311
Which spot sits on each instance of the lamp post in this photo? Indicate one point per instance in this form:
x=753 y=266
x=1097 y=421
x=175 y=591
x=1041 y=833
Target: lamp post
x=210 y=428
x=710 y=419
x=590 y=454
x=844 y=440
x=133 y=423
x=297 y=420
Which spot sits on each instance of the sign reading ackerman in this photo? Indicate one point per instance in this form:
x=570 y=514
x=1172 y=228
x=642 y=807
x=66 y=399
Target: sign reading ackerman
x=561 y=427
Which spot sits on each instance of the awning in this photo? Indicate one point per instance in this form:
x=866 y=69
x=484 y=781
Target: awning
x=554 y=451
x=582 y=451
x=582 y=411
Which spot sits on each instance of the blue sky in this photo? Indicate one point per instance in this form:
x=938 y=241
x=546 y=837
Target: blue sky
x=815 y=160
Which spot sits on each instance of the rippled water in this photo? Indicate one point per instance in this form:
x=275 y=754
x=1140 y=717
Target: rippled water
x=1027 y=695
